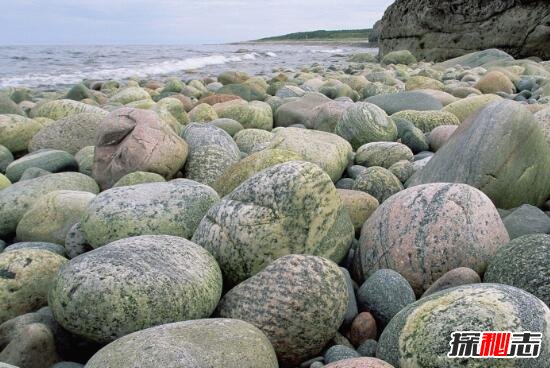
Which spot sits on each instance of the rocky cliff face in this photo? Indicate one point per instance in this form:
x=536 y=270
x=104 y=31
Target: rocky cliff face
x=438 y=30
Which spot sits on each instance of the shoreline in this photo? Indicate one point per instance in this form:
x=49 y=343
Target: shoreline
x=349 y=42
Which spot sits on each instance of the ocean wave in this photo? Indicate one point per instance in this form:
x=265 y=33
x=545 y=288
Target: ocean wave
x=161 y=68
x=328 y=51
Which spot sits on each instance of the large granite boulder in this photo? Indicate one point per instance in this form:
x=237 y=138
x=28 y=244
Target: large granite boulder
x=202 y=343
x=298 y=301
x=133 y=284
x=439 y=30
x=425 y=231
x=290 y=208
x=136 y=140
x=507 y=157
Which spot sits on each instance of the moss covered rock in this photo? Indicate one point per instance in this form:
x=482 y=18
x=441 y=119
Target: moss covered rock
x=252 y=115
x=404 y=57
x=25 y=279
x=59 y=109
x=16 y=131
x=8 y=106
x=4 y=182
x=52 y=247
x=467 y=107
x=426 y=121
x=52 y=216
x=506 y=157
x=421 y=82
x=360 y=206
x=19 y=197
x=523 y=263
x=202 y=112
x=429 y=230
x=171 y=208
x=251 y=140
x=363 y=123
x=329 y=151
x=6 y=158
x=139 y=177
x=298 y=301
x=382 y=154
x=133 y=284
x=230 y=126
x=249 y=166
x=289 y=208
x=130 y=94
x=203 y=343
x=46 y=159
x=211 y=152
x=378 y=182
x=419 y=335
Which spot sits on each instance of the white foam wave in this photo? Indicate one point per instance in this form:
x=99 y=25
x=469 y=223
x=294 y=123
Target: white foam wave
x=161 y=68
x=328 y=51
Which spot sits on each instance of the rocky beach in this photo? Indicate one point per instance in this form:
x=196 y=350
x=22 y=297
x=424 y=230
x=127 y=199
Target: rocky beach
x=354 y=211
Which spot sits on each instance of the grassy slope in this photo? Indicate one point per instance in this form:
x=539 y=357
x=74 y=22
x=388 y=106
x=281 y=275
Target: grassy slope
x=357 y=34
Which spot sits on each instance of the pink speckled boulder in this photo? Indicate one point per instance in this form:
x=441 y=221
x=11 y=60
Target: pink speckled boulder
x=360 y=363
x=427 y=230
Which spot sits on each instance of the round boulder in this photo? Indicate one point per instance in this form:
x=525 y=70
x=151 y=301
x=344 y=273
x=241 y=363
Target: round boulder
x=298 y=301
x=359 y=363
x=46 y=159
x=133 y=284
x=383 y=154
x=427 y=230
x=378 y=182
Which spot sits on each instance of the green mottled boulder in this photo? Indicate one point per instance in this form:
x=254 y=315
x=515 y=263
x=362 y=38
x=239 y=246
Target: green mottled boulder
x=334 y=89
x=211 y=152
x=383 y=154
x=426 y=121
x=250 y=140
x=429 y=230
x=362 y=57
x=251 y=165
x=363 y=123
x=59 y=109
x=246 y=91
x=133 y=284
x=52 y=247
x=475 y=59
x=130 y=94
x=360 y=206
x=69 y=134
x=231 y=77
x=299 y=110
x=507 y=157
x=421 y=82
x=378 y=182
x=231 y=126
x=288 y=208
x=16 y=131
x=327 y=150
x=298 y=301
x=46 y=159
x=203 y=343
x=7 y=106
x=403 y=170
x=419 y=335
x=252 y=115
x=326 y=116
x=170 y=109
x=33 y=172
x=408 y=100
x=404 y=57
x=173 y=85
x=79 y=92
x=4 y=182
x=139 y=177
x=202 y=112
x=6 y=158
x=52 y=216
x=25 y=279
x=85 y=160
x=171 y=208
x=377 y=88
x=18 y=198
x=467 y=107
x=523 y=263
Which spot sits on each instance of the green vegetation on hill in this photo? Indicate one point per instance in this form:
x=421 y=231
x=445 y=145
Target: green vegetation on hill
x=323 y=35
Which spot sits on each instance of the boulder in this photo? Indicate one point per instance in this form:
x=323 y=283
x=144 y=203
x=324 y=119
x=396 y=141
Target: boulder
x=6 y=158
x=359 y=363
x=52 y=247
x=16 y=131
x=252 y=115
x=404 y=57
x=420 y=82
x=136 y=140
x=467 y=107
x=526 y=219
x=26 y=276
x=70 y=134
x=252 y=140
x=130 y=94
x=378 y=182
x=383 y=154
x=325 y=117
x=507 y=157
x=133 y=284
x=230 y=126
x=339 y=352
x=249 y=166
x=410 y=135
x=426 y=121
x=403 y=170
x=427 y=230
x=52 y=216
x=7 y=106
x=300 y=110
x=494 y=82
x=4 y=182
x=202 y=113
x=298 y=301
x=288 y=208
x=360 y=206
x=18 y=198
x=329 y=151
x=59 y=109
x=445 y=29
x=419 y=335
x=202 y=343
x=543 y=120
x=46 y=159
x=523 y=263
x=85 y=160
x=455 y=277
x=440 y=135
x=363 y=123
x=211 y=152
x=171 y=208
x=139 y=177
x=409 y=100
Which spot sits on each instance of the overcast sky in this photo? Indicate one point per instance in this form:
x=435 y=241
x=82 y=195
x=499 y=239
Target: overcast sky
x=175 y=21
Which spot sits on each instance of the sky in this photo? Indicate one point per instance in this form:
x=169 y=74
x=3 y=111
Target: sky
x=78 y=22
